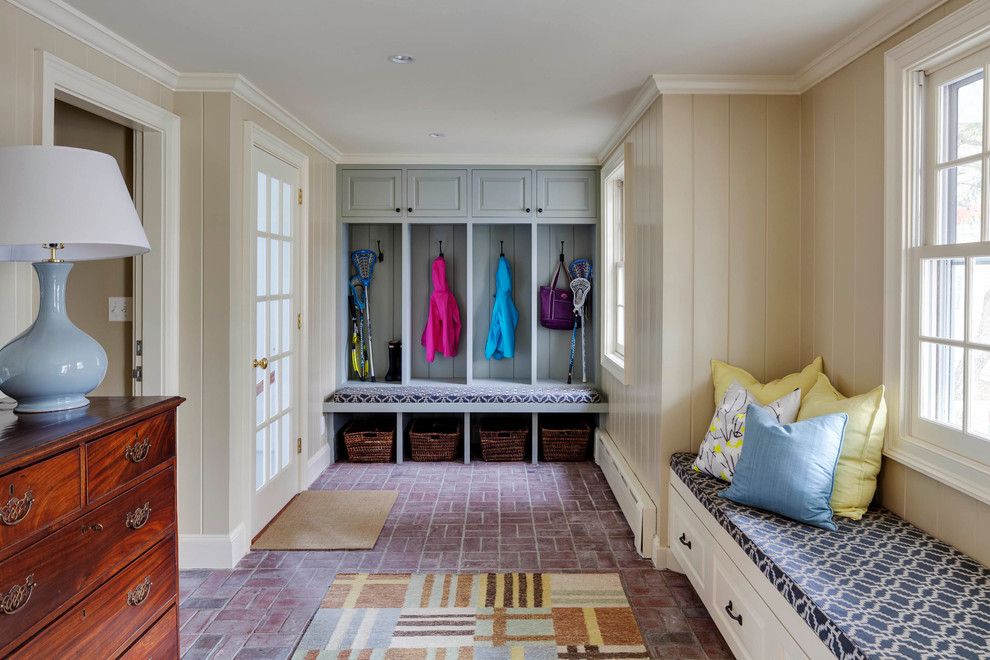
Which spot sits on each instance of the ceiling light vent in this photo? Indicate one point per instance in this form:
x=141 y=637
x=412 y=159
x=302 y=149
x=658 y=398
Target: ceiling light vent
x=402 y=59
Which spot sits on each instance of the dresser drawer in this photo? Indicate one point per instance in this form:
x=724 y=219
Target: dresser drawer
x=160 y=642
x=42 y=577
x=739 y=612
x=104 y=622
x=34 y=497
x=690 y=543
x=116 y=460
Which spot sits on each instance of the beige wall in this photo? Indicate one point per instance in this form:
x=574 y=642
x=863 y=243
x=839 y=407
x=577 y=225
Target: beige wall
x=93 y=282
x=722 y=172
x=211 y=172
x=842 y=253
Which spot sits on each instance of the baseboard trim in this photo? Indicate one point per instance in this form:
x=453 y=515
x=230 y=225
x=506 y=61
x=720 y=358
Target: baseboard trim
x=218 y=551
x=317 y=464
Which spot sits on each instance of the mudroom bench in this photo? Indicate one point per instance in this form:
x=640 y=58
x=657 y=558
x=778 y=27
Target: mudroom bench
x=473 y=402
x=876 y=588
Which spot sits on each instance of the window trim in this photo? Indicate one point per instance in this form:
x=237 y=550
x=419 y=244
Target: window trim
x=611 y=360
x=958 y=35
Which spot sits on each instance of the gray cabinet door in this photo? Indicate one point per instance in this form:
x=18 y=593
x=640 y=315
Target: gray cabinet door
x=371 y=193
x=502 y=193
x=566 y=194
x=436 y=193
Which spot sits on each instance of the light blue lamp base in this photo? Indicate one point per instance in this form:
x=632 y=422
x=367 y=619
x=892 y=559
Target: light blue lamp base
x=53 y=364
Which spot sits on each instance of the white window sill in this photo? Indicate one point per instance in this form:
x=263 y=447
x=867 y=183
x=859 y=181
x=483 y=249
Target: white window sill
x=615 y=365
x=966 y=476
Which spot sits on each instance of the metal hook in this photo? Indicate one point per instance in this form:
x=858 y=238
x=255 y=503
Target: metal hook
x=441 y=248
x=501 y=248
x=562 y=251
x=381 y=255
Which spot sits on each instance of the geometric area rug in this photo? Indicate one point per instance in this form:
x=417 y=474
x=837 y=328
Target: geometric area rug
x=488 y=616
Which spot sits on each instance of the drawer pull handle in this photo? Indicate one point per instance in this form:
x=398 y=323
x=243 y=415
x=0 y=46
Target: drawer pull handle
x=684 y=540
x=139 y=594
x=138 y=451
x=138 y=518
x=732 y=615
x=18 y=596
x=16 y=508
x=97 y=527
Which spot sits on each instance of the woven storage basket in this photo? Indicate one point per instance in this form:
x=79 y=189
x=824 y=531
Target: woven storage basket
x=565 y=439
x=503 y=440
x=435 y=439
x=369 y=441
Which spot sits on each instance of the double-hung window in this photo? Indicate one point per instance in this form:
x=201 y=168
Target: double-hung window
x=614 y=271
x=946 y=338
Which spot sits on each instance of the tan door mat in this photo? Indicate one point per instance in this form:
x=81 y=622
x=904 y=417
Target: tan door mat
x=329 y=520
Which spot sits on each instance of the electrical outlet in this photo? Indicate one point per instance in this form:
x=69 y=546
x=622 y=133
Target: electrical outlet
x=120 y=308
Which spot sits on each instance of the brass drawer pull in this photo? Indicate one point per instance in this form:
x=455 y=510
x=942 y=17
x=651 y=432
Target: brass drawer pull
x=16 y=509
x=139 y=594
x=97 y=527
x=138 y=451
x=18 y=596
x=138 y=518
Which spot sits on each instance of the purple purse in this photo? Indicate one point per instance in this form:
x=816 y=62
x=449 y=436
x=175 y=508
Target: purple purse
x=556 y=305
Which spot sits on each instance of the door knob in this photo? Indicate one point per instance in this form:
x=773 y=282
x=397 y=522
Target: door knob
x=260 y=364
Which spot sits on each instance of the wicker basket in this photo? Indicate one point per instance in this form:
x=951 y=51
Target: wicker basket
x=565 y=439
x=503 y=440
x=369 y=441
x=435 y=439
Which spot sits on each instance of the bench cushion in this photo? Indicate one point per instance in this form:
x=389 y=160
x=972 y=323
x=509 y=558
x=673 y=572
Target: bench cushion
x=441 y=393
x=876 y=588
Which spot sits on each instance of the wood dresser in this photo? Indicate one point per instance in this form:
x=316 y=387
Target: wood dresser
x=88 y=557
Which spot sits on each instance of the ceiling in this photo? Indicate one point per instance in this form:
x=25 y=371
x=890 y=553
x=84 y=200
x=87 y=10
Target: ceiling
x=515 y=78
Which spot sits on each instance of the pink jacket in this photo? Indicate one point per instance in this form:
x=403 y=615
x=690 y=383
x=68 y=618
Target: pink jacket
x=443 y=325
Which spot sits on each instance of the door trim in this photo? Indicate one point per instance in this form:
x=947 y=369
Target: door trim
x=159 y=131
x=241 y=304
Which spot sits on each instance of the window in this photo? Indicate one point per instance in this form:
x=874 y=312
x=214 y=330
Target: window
x=950 y=360
x=614 y=270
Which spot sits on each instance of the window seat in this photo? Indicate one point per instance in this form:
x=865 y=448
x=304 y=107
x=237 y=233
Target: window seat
x=453 y=397
x=878 y=587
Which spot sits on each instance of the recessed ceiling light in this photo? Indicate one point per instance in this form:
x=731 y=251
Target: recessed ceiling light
x=438 y=135
x=402 y=59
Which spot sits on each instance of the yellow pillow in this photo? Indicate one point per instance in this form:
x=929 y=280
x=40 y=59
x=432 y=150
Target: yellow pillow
x=862 y=448
x=723 y=374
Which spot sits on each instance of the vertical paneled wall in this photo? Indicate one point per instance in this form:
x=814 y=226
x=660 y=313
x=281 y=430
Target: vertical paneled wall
x=842 y=255
x=385 y=292
x=713 y=266
x=425 y=246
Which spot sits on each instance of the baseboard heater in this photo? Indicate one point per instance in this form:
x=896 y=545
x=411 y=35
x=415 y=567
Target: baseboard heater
x=636 y=505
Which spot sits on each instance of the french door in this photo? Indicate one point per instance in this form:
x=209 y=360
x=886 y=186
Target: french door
x=275 y=312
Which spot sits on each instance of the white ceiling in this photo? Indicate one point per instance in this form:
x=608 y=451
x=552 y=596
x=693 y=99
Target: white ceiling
x=515 y=78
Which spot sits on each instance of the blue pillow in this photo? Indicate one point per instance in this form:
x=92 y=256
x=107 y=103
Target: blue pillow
x=789 y=469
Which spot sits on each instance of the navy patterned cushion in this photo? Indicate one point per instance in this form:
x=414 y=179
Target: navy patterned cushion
x=464 y=394
x=876 y=588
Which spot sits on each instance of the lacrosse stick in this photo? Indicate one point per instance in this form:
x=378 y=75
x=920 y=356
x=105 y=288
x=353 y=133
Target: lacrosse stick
x=364 y=264
x=580 y=268
x=580 y=287
x=357 y=296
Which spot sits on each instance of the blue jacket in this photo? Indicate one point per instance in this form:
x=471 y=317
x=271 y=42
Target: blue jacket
x=502 y=333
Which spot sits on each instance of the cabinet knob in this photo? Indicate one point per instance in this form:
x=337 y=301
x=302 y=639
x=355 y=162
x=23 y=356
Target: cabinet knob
x=409 y=209
x=398 y=210
x=539 y=210
x=261 y=363
x=527 y=210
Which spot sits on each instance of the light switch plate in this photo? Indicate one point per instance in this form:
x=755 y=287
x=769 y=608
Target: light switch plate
x=120 y=308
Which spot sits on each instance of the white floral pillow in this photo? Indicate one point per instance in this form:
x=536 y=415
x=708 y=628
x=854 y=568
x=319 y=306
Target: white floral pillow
x=722 y=446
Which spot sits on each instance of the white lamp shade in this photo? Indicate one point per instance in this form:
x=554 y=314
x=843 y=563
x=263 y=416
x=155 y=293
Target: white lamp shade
x=62 y=195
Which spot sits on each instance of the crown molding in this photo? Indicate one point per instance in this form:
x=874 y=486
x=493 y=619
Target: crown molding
x=716 y=84
x=647 y=94
x=875 y=31
x=459 y=159
x=236 y=84
x=95 y=35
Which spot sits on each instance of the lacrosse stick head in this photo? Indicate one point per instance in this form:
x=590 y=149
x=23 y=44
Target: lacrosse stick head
x=580 y=287
x=364 y=263
x=580 y=268
x=357 y=292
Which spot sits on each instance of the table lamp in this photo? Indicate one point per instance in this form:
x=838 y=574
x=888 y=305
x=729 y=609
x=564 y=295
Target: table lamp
x=59 y=205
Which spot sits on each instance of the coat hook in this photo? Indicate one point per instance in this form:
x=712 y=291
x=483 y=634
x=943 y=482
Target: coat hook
x=501 y=248
x=441 y=248
x=562 y=252
x=381 y=255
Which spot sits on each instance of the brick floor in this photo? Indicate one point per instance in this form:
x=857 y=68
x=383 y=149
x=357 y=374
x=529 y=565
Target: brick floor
x=556 y=517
